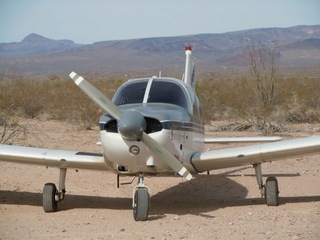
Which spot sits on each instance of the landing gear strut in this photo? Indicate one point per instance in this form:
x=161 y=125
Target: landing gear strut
x=141 y=200
x=270 y=191
x=51 y=196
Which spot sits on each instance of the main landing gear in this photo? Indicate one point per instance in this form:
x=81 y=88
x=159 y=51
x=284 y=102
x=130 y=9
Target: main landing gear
x=51 y=196
x=141 y=200
x=270 y=191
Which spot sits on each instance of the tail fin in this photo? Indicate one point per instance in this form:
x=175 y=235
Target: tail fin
x=189 y=77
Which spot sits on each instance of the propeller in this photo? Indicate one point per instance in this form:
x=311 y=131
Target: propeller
x=96 y=96
x=131 y=125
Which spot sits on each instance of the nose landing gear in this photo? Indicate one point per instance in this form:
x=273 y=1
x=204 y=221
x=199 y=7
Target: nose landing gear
x=141 y=200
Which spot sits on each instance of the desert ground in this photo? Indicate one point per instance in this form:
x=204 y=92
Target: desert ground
x=224 y=205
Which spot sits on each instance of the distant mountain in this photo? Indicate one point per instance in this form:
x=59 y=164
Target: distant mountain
x=310 y=43
x=298 y=46
x=35 y=45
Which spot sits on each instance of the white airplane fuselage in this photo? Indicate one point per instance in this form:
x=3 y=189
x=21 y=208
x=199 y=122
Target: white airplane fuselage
x=172 y=113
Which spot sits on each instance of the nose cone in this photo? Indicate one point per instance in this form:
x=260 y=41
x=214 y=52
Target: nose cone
x=131 y=125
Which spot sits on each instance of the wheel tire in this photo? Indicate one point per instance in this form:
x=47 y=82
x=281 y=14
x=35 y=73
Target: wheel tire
x=49 y=198
x=272 y=192
x=141 y=204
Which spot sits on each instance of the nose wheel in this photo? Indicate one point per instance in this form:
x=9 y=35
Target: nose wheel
x=141 y=201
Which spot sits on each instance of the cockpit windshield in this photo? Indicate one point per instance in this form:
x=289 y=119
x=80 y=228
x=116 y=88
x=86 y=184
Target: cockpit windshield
x=132 y=93
x=167 y=92
x=151 y=91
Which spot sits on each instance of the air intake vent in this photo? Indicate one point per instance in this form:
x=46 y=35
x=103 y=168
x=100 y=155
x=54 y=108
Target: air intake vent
x=153 y=125
x=111 y=126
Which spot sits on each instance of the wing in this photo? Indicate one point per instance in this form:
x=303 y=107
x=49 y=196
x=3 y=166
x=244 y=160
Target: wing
x=241 y=139
x=52 y=158
x=267 y=152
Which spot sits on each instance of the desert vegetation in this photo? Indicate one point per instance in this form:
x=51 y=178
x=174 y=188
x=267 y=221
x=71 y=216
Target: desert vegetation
x=52 y=98
x=263 y=97
x=49 y=98
x=223 y=98
x=232 y=98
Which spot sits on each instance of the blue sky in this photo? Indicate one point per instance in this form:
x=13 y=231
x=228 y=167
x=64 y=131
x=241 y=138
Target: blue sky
x=98 y=20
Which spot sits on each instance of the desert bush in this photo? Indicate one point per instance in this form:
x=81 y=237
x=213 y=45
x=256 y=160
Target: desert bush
x=260 y=125
x=10 y=130
x=264 y=78
x=233 y=99
x=301 y=100
x=262 y=95
x=223 y=98
x=54 y=98
x=14 y=130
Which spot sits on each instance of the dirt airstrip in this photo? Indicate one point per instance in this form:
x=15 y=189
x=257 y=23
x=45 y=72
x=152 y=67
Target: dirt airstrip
x=224 y=205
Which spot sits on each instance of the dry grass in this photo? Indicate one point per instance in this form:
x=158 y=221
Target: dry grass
x=52 y=98
x=298 y=100
x=222 y=98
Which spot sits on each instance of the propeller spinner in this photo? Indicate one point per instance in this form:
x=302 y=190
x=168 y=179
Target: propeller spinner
x=131 y=125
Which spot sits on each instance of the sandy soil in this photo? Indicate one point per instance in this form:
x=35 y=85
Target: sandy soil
x=224 y=205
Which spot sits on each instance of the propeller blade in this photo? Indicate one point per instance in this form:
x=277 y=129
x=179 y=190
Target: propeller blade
x=96 y=96
x=167 y=157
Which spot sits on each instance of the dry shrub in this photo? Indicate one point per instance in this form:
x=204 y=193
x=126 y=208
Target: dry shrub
x=233 y=99
x=301 y=100
x=224 y=98
x=53 y=98
x=261 y=125
x=264 y=77
x=11 y=131
x=228 y=98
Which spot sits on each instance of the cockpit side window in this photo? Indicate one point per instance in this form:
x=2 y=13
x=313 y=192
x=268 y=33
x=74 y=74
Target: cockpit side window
x=132 y=93
x=167 y=92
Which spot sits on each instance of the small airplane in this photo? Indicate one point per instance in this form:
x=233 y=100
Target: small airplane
x=154 y=126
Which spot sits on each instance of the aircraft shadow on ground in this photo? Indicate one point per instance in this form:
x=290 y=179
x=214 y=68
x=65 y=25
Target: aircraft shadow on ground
x=70 y=202
x=210 y=193
x=198 y=196
x=235 y=173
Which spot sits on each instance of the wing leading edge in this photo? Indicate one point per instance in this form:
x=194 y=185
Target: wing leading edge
x=52 y=158
x=241 y=139
x=240 y=156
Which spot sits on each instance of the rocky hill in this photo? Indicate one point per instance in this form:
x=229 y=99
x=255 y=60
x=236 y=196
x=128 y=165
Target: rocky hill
x=35 y=45
x=298 y=46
